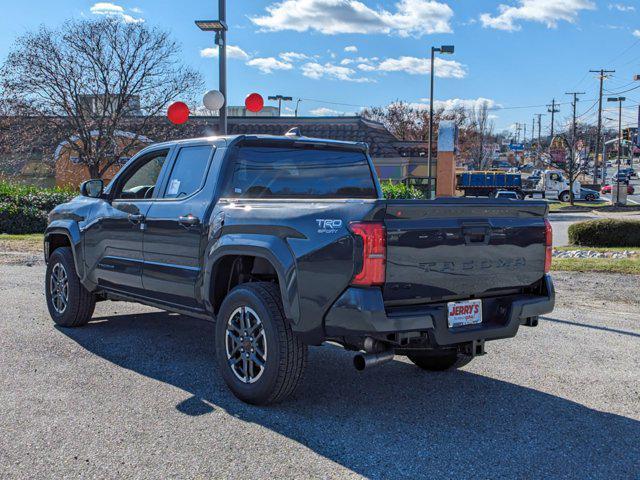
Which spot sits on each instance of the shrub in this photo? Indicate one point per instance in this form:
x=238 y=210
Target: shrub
x=606 y=233
x=399 y=191
x=24 y=209
x=19 y=219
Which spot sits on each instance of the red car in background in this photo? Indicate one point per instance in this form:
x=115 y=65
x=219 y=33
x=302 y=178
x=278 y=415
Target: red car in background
x=607 y=189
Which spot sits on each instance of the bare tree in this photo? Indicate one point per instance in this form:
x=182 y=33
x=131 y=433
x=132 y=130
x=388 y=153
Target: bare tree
x=89 y=77
x=481 y=128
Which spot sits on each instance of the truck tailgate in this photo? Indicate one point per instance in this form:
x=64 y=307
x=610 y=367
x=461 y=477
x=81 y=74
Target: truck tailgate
x=461 y=248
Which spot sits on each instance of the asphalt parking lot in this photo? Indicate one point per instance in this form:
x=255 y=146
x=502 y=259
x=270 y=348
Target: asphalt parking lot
x=135 y=394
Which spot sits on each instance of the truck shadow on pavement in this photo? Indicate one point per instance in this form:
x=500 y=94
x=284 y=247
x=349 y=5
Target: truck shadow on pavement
x=390 y=422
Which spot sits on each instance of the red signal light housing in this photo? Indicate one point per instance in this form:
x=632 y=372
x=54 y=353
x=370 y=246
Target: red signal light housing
x=548 y=242
x=374 y=253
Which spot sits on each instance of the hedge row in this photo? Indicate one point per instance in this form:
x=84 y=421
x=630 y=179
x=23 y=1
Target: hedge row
x=606 y=233
x=24 y=209
x=399 y=191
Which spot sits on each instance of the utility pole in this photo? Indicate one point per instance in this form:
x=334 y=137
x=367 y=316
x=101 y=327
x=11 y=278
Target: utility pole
x=539 y=115
x=518 y=128
x=574 y=104
x=602 y=73
x=572 y=154
x=552 y=110
x=280 y=99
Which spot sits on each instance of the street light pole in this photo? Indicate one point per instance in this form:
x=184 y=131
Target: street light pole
x=619 y=100
x=442 y=49
x=222 y=48
x=280 y=99
x=220 y=28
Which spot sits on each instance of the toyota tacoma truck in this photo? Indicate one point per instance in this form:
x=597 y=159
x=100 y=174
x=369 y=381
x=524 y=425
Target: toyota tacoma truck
x=287 y=242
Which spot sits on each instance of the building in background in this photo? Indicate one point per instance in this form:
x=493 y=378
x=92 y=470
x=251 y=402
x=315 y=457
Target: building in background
x=401 y=161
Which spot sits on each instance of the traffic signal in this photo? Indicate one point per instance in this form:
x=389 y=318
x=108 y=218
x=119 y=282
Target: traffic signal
x=626 y=134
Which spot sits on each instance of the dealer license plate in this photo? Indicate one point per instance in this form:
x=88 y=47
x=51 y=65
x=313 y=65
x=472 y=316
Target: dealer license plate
x=468 y=312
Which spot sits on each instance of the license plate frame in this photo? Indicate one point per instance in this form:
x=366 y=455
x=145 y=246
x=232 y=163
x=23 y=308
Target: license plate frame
x=460 y=315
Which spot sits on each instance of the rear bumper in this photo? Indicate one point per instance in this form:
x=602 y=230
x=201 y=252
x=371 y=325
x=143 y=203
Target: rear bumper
x=360 y=312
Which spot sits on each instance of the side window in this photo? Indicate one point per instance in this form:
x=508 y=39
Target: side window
x=140 y=181
x=189 y=170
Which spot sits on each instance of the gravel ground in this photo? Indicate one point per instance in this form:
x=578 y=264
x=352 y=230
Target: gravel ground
x=135 y=395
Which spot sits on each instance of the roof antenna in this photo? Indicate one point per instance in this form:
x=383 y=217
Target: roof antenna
x=294 y=132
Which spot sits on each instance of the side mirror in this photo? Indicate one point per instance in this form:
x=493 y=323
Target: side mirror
x=92 y=188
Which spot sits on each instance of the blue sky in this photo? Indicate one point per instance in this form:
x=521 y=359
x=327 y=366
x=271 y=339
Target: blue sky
x=341 y=55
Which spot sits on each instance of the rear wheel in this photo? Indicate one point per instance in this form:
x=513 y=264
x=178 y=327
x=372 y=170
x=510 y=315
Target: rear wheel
x=259 y=357
x=69 y=303
x=565 y=197
x=437 y=361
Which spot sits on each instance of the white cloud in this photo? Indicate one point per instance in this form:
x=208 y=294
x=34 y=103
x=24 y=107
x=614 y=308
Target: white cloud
x=411 y=17
x=113 y=10
x=366 y=67
x=233 y=51
x=329 y=70
x=290 y=57
x=351 y=48
x=454 y=103
x=269 y=64
x=327 y=112
x=346 y=61
x=421 y=66
x=548 y=12
x=621 y=7
x=636 y=33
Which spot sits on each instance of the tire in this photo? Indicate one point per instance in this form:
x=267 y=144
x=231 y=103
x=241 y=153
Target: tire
x=439 y=361
x=61 y=277
x=272 y=343
x=564 y=197
x=590 y=197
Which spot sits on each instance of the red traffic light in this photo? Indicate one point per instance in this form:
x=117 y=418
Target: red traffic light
x=178 y=113
x=254 y=102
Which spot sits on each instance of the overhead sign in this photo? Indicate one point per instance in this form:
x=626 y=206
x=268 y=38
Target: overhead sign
x=516 y=147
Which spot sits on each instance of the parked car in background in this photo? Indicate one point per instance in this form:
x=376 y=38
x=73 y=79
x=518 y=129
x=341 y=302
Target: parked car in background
x=588 y=195
x=620 y=176
x=629 y=172
x=607 y=189
x=507 y=195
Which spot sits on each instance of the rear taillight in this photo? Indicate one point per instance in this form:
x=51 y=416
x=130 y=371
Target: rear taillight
x=548 y=242
x=374 y=253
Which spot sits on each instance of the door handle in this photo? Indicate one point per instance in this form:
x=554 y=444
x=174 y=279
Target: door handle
x=188 y=220
x=136 y=218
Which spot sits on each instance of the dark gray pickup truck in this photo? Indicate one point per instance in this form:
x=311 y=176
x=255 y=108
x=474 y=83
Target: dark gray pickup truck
x=287 y=242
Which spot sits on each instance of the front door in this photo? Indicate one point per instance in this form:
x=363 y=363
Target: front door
x=113 y=244
x=175 y=230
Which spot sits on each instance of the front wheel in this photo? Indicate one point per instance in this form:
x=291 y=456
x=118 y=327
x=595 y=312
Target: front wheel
x=590 y=197
x=437 y=361
x=565 y=197
x=69 y=303
x=259 y=357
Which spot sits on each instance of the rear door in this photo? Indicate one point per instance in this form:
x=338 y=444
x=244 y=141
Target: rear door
x=175 y=228
x=457 y=248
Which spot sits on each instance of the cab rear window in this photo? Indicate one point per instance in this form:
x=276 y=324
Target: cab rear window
x=293 y=172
